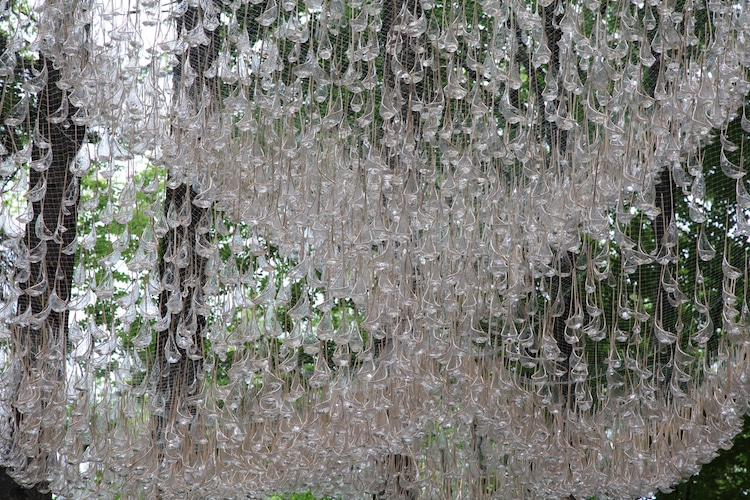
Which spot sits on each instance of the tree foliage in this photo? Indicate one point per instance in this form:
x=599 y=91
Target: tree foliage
x=726 y=476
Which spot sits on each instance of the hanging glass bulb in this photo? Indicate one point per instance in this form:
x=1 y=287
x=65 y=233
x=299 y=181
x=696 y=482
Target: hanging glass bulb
x=403 y=246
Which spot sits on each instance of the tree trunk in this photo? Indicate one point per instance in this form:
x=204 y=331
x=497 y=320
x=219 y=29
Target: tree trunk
x=10 y=490
x=40 y=331
x=179 y=347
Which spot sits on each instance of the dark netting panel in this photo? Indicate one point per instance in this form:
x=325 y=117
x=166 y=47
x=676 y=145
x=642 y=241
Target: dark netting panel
x=373 y=248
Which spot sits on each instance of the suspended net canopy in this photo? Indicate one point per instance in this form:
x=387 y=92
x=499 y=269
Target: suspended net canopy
x=375 y=248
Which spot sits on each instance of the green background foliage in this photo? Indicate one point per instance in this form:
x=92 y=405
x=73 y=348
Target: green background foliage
x=725 y=477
